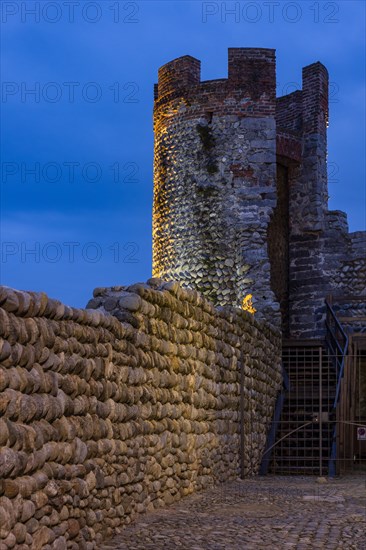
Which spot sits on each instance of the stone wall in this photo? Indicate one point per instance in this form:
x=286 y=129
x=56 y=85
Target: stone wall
x=302 y=118
x=351 y=275
x=106 y=416
x=345 y=261
x=331 y=262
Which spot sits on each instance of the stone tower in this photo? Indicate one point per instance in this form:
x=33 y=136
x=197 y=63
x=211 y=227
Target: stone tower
x=240 y=191
x=215 y=177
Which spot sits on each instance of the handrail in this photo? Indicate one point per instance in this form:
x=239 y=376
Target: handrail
x=334 y=344
x=336 y=349
x=313 y=421
x=271 y=437
x=336 y=320
x=343 y=349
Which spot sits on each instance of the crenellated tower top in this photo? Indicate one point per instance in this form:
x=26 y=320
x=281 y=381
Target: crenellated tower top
x=249 y=88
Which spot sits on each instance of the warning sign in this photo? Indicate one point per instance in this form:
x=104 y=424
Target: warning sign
x=361 y=433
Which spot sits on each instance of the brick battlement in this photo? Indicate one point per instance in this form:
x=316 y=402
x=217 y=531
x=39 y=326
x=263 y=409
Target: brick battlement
x=289 y=111
x=249 y=89
x=182 y=72
x=306 y=110
x=315 y=85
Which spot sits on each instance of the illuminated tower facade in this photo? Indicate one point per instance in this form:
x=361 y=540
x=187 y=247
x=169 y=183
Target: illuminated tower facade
x=215 y=177
x=240 y=191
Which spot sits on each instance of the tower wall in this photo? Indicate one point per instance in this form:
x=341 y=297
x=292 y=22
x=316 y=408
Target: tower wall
x=215 y=178
x=302 y=119
x=322 y=257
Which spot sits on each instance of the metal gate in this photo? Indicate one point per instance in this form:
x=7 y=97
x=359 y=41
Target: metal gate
x=304 y=432
x=319 y=425
x=322 y=426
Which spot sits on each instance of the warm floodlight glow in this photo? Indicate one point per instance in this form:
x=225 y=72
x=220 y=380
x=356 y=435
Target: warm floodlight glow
x=247 y=304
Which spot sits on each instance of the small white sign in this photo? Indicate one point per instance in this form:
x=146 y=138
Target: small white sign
x=361 y=434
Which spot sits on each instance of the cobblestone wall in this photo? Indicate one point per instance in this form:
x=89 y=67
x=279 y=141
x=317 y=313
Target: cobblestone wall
x=215 y=178
x=345 y=262
x=105 y=416
x=351 y=276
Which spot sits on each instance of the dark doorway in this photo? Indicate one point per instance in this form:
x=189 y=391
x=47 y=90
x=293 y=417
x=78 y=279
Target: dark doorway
x=278 y=246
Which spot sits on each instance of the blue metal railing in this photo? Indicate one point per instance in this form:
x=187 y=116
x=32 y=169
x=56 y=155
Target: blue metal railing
x=266 y=459
x=337 y=343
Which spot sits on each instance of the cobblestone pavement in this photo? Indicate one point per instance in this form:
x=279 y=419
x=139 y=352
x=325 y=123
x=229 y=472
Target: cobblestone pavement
x=270 y=512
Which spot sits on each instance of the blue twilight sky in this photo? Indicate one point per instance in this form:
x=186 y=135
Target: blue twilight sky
x=77 y=153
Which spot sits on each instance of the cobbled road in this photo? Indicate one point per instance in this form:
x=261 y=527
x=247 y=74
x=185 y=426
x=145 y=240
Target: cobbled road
x=258 y=513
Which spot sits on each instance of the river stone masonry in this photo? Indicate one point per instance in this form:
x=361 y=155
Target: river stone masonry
x=126 y=406
x=215 y=178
